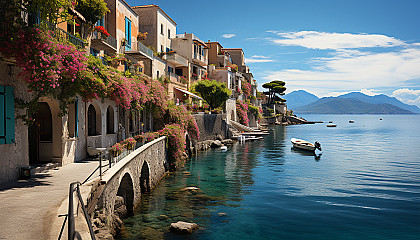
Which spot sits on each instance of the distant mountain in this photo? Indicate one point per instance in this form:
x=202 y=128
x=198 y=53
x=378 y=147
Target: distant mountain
x=299 y=98
x=377 y=99
x=332 y=105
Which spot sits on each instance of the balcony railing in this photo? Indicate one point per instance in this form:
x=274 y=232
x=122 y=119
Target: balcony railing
x=33 y=20
x=176 y=78
x=142 y=48
x=110 y=40
x=174 y=57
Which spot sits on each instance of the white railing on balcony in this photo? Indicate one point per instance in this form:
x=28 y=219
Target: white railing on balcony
x=138 y=46
x=176 y=58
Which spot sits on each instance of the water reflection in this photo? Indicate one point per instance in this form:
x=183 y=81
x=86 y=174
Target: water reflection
x=317 y=156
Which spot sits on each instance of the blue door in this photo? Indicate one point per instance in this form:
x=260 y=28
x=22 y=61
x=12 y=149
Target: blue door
x=128 y=34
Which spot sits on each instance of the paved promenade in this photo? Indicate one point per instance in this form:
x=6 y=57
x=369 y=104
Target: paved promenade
x=29 y=208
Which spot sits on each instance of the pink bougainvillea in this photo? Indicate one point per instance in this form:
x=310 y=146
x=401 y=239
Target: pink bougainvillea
x=242 y=112
x=246 y=88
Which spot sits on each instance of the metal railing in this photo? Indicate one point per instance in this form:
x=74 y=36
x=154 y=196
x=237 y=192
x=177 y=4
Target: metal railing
x=33 y=20
x=176 y=58
x=71 y=226
x=138 y=46
x=110 y=39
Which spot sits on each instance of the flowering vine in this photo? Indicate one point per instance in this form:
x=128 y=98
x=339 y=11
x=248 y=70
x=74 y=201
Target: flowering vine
x=242 y=112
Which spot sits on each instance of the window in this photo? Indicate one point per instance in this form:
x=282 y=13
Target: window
x=169 y=33
x=170 y=69
x=128 y=34
x=157 y=74
x=161 y=29
x=7 y=115
x=72 y=124
x=161 y=48
x=91 y=121
x=110 y=120
x=168 y=50
x=100 y=22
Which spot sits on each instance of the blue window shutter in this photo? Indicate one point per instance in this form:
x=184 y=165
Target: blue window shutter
x=76 y=129
x=7 y=115
x=2 y=117
x=128 y=34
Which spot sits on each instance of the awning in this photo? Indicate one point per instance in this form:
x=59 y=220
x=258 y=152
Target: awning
x=189 y=93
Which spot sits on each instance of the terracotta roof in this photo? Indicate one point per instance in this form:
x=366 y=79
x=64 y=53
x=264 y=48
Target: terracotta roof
x=154 y=6
x=233 y=49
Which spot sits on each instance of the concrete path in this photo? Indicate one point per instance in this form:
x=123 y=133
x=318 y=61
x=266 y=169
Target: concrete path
x=28 y=208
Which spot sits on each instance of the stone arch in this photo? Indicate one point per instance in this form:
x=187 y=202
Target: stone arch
x=126 y=191
x=94 y=124
x=110 y=125
x=145 y=178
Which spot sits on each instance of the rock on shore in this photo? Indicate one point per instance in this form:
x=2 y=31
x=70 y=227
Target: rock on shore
x=183 y=227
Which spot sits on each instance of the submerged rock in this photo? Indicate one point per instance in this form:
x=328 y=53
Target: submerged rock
x=194 y=189
x=216 y=144
x=183 y=227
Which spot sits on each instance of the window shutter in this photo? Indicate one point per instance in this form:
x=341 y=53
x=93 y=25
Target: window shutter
x=7 y=115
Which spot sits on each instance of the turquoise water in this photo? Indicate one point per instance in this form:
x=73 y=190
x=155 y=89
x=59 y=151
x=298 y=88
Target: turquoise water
x=365 y=185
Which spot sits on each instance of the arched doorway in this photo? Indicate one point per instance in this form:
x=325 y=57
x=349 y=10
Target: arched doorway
x=91 y=120
x=126 y=191
x=145 y=178
x=110 y=120
x=41 y=136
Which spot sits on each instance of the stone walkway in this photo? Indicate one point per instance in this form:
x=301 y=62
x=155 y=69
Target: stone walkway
x=29 y=208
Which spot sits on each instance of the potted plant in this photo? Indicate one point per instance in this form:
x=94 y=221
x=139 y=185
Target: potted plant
x=142 y=36
x=130 y=143
x=102 y=32
x=116 y=150
x=123 y=41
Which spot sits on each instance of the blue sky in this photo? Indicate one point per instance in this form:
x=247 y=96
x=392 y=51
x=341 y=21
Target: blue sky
x=326 y=47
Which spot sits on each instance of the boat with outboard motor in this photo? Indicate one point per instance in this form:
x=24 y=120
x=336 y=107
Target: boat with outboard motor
x=305 y=145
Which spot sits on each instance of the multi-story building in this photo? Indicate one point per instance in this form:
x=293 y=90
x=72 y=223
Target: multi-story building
x=195 y=51
x=161 y=29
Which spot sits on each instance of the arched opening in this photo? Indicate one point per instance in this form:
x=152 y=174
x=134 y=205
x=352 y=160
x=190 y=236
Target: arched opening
x=126 y=191
x=145 y=178
x=41 y=135
x=91 y=120
x=110 y=120
x=72 y=119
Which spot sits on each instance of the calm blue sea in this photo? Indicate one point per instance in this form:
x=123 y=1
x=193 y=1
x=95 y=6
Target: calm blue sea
x=365 y=185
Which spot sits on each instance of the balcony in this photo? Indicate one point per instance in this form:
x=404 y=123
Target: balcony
x=140 y=51
x=33 y=20
x=175 y=59
x=176 y=79
x=104 y=43
x=200 y=60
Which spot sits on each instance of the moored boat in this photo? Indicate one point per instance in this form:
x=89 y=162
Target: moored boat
x=332 y=125
x=351 y=121
x=305 y=145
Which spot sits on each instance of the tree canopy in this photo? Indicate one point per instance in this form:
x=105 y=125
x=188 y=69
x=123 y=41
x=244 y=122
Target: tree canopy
x=92 y=10
x=213 y=92
x=275 y=88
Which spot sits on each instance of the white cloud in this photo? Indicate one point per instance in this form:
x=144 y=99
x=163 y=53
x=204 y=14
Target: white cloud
x=323 y=40
x=351 y=69
x=259 y=56
x=369 y=92
x=228 y=35
x=408 y=96
x=258 y=59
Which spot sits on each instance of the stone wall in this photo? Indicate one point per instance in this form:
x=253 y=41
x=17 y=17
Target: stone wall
x=152 y=157
x=15 y=155
x=211 y=125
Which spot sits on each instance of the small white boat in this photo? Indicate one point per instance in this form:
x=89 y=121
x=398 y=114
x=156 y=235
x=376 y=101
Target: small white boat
x=223 y=148
x=305 y=145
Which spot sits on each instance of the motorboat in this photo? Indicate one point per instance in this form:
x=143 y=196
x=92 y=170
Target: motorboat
x=305 y=145
x=351 y=121
x=223 y=148
x=332 y=125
